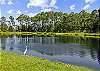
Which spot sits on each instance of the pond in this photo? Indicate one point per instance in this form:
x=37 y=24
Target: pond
x=72 y=50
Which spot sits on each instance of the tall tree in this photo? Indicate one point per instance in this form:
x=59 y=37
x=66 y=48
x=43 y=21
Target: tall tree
x=3 y=24
x=12 y=23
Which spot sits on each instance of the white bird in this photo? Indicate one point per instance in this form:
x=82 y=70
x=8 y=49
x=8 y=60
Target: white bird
x=25 y=50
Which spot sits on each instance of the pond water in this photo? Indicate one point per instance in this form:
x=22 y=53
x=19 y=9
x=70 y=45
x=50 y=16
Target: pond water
x=71 y=50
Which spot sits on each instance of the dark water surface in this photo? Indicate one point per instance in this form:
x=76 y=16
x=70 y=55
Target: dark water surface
x=72 y=50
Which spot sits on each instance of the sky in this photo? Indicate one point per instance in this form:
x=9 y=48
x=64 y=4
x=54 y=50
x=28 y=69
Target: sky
x=32 y=7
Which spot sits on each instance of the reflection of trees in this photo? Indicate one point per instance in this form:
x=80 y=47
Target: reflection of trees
x=8 y=43
x=94 y=48
x=82 y=53
x=90 y=42
x=23 y=40
x=34 y=39
x=93 y=54
x=51 y=46
x=53 y=40
x=12 y=43
x=3 y=43
x=99 y=54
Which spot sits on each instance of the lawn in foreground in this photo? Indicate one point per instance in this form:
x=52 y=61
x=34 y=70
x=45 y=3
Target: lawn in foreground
x=13 y=62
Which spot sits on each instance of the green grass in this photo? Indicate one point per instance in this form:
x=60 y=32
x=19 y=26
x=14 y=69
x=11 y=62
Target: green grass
x=13 y=62
x=87 y=35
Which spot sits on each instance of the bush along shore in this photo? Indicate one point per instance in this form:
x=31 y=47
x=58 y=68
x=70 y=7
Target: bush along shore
x=13 y=62
x=88 y=35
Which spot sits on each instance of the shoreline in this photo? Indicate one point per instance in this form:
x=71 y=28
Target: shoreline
x=13 y=61
x=86 y=35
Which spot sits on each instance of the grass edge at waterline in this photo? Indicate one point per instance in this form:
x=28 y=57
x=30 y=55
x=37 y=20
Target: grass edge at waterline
x=10 y=61
x=87 y=35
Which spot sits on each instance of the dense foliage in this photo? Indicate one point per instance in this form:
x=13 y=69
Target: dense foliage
x=53 y=22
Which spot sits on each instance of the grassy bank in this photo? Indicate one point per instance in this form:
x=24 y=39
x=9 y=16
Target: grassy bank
x=14 y=62
x=88 y=35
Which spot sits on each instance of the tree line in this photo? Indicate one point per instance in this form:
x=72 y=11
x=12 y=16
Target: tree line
x=53 y=22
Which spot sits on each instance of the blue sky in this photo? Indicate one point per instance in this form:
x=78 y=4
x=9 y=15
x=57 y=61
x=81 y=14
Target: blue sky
x=32 y=7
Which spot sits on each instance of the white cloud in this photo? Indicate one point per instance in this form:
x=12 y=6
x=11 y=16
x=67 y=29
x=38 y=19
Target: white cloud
x=18 y=12
x=46 y=10
x=53 y=4
x=42 y=3
x=3 y=2
x=45 y=5
x=90 y=1
x=38 y=3
x=10 y=2
x=10 y=11
x=26 y=11
x=32 y=14
x=72 y=7
x=86 y=7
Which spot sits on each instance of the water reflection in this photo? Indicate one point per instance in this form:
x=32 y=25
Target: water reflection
x=3 y=43
x=84 y=50
x=53 y=45
x=99 y=55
